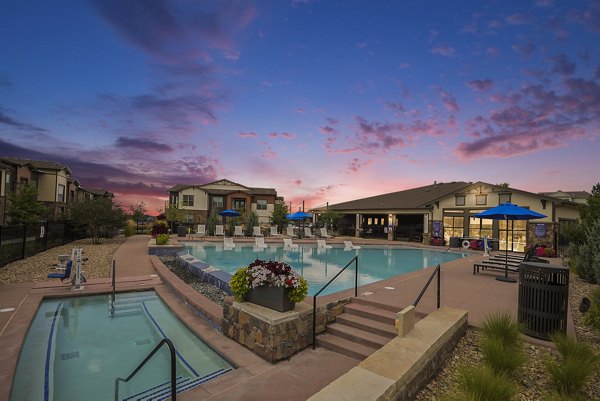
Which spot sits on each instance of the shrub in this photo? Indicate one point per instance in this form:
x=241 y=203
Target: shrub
x=130 y=229
x=592 y=316
x=577 y=362
x=501 y=343
x=477 y=384
x=160 y=227
x=162 y=239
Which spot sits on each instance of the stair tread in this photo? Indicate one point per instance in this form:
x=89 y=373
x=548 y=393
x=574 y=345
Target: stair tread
x=344 y=346
x=371 y=311
x=357 y=335
x=378 y=305
x=367 y=324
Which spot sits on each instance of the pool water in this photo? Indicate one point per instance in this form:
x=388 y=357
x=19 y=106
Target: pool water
x=319 y=265
x=75 y=349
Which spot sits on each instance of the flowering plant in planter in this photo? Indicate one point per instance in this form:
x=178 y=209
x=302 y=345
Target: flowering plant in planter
x=261 y=273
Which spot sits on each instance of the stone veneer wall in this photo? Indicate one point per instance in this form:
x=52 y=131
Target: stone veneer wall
x=2 y=207
x=272 y=335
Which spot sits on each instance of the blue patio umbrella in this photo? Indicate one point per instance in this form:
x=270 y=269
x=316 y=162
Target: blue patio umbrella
x=229 y=213
x=508 y=211
x=298 y=216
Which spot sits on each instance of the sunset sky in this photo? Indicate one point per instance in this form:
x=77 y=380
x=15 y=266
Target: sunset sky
x=325 y=101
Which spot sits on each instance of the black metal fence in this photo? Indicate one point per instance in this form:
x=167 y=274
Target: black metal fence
x=20 y=241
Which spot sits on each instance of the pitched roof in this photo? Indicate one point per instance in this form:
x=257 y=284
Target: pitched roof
x=38 y=164
x=179 y=187
x=573 y=194
x=263 y=191
x=407 y=199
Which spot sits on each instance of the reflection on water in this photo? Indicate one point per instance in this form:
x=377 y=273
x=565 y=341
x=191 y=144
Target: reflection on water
x=319 y=265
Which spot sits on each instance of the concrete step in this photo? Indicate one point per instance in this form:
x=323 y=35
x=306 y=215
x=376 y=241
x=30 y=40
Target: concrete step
x=358 y=336
x=344 y=346
x=372 y=326
x=368 y=302
x=371 y=312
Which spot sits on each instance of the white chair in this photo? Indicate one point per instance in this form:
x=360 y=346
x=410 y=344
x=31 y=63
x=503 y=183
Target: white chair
x=256 y=232
x=289 y=231
x=228 y=243
x=273 y=232
x=219 y=230
x=348 y=245
x=308 y=233
x=238 y=231
x=287 y=243
x=324 y=233
x=259 y=242
x=322 y=244
x=201 y=231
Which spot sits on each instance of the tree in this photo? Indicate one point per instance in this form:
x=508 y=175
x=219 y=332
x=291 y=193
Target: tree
x=330 y=218
x=174 y=215
x=278 y=216
x=23 y=206
x=211 y=222
x=101 y=215
x=138 y=212
x=251 y=221
x=584 y=238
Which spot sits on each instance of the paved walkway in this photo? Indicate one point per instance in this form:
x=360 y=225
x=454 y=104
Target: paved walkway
x=132 y=257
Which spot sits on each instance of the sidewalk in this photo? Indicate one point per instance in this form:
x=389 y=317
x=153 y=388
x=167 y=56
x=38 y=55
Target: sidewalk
x=132 y=257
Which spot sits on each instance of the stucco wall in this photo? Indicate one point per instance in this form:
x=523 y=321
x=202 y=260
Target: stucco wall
x=200 y=199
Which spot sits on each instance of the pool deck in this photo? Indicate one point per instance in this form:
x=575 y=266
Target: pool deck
x=255 y=379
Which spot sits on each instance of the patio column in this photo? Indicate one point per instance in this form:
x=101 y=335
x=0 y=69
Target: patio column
x=357 y=226
x=425 y=223
x=390 y=235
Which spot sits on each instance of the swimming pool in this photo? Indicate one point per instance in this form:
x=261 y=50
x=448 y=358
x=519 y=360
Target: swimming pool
x=319 y=265
x=74 y=350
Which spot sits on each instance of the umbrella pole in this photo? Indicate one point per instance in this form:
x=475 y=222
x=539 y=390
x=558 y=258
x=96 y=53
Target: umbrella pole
x=505 y=278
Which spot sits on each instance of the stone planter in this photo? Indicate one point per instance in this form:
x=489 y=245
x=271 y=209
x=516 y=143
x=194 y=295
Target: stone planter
x=270 y=297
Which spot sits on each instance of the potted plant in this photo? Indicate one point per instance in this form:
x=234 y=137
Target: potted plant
x=270 y=284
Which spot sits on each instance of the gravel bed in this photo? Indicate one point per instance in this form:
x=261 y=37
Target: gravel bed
x=215 y=294
x=533 y=381
x=36 y=268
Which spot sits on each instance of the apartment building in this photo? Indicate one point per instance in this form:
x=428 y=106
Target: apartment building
x=198 y=201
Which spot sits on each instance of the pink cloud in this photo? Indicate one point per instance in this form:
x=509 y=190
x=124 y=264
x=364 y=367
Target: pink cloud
x=443 y=50
x=449 y=101
x=517 y=19
x=248 y=135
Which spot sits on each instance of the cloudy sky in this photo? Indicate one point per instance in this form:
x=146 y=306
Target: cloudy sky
x=326 y=101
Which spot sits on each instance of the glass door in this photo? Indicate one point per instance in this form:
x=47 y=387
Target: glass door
x=517 y=235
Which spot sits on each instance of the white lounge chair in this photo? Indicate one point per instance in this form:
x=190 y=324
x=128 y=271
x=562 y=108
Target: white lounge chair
x=324 y=233
x=201 y=230
x=256 y=232
x=219 y=230
x=228 y=243
x=273 y=232
x=348 y=245
x=289 y=231
x=259 y=242
x=238 y=232
x=308 y=233
x=322 y=244
x=287 y=243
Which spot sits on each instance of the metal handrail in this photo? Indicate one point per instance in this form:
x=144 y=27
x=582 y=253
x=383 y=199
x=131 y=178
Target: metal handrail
x=112 y=304
x=437 y=271
x=150 y=355
x=314 y=317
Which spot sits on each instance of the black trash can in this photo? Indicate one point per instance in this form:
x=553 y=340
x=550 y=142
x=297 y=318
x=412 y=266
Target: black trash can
x=181 y=231
x=454 y=242
x=543 y=299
